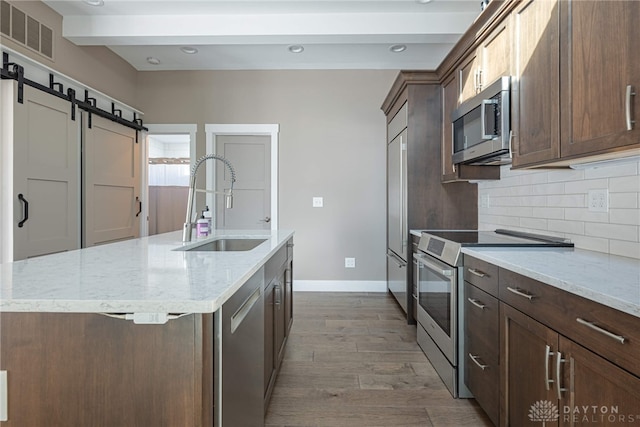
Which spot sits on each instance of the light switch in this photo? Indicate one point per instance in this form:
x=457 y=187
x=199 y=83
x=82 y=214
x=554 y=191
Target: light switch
x=318 y=202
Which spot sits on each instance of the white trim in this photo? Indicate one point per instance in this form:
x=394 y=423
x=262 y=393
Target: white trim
x=161 y=129
x=339 y=286
x=272 y=130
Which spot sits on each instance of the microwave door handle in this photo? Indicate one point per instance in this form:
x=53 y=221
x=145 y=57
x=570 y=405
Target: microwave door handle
x=483 y=117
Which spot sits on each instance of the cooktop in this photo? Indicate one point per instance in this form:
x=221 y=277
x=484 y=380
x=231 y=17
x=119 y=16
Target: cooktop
x=446 y=245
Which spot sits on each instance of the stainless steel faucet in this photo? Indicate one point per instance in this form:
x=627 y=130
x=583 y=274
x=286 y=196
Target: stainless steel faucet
x=188 y=224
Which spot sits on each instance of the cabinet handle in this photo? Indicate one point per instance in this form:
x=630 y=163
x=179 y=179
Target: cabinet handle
x=630 y=93
x=479 y=80
x=277 y=290
x=511 y=144
x=475 y=360
x=476 y=303
x=597 y=328
x=547 y=355
x=477 y=272
x=25 y=215
x=559 y=360
x=519 y=292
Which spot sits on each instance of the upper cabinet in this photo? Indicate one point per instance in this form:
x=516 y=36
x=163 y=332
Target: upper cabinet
x=575 y=78
x=577 y=71
x=535 y=88
x=600 y=43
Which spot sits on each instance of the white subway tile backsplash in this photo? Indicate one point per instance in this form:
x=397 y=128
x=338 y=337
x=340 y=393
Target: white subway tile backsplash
x=623 y=200
x=555 y=202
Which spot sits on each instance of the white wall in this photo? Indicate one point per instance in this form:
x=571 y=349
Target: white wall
x=555 y=202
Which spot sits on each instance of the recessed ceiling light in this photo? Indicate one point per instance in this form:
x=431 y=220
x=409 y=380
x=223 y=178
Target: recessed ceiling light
x=423 y=1
x=94 y=2
x=189 y=50
x=153 y=61
x=397 y=48
x=296 y=48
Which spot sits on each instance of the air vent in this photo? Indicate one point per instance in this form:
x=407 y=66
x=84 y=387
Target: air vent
x=25 y=30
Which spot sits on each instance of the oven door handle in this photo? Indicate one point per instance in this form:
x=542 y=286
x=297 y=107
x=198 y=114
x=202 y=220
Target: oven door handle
x=442 y=269
x=401 y=263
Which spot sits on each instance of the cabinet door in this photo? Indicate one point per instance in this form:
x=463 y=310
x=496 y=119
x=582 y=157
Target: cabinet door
x=536 y=86
x=601 y=40
x=598 y=392
x=269 y=334
x=449 y=103
x=468 y=77
x=111 y=175
x=526 y=370
x=46 y=165
x=280 y=316
x=495 y=54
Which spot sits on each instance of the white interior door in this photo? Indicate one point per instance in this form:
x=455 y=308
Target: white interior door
x=46 y=165
x=250 y=157
x=111 y=182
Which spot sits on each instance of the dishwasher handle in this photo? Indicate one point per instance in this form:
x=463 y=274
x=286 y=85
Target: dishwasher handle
x=245 y=308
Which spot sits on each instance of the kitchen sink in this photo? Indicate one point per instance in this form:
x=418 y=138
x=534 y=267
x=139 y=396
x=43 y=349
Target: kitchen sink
x=227 y=245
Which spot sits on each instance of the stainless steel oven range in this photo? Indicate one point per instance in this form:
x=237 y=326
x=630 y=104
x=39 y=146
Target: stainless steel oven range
x=440 y=301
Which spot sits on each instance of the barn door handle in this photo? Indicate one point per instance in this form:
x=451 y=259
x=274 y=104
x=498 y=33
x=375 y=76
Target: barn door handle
x=139 y=206
x=25 y=210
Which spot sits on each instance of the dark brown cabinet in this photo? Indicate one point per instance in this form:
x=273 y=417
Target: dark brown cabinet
x=558 y=355
x=278 y=314
x=600 y=73
x=535 y=115
x=576 y=76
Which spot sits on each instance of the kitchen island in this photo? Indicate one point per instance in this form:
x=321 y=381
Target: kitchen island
x=72 y=357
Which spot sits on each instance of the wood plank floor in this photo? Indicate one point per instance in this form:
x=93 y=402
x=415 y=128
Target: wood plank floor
x=351 y=360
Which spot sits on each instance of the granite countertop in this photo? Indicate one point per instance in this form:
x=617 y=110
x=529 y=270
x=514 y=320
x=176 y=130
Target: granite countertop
x=607 y=279
x=144 y=275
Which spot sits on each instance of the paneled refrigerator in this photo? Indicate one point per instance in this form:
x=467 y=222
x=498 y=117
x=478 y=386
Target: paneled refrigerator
x=397 y=225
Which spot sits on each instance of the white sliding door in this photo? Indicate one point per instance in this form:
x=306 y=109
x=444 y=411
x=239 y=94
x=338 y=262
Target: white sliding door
x=111 y=182
x=46 y=173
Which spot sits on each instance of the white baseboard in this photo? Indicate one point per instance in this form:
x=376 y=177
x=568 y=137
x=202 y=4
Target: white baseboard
x=339 y=286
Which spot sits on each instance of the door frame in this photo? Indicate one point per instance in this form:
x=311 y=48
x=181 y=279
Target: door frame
x=212 y=131
x=164 y=129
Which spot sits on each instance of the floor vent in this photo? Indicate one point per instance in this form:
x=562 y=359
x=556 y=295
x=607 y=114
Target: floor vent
x=25 y=30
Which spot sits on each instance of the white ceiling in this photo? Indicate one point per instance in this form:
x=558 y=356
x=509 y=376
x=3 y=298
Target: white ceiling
x=256 y=34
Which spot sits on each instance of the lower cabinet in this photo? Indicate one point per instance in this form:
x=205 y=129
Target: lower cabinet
x=278 y=315
x=548 y=378
x=538 y=355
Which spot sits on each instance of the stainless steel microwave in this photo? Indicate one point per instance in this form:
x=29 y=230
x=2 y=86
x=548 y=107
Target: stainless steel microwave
x=482 y=126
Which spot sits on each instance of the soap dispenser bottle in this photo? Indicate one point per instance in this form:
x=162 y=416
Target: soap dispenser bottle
x=202 y=226
x=209 y=217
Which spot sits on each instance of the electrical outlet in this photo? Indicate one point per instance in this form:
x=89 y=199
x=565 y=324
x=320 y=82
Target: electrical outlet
x=318 y=202
x=598 y=200
x=349 y=263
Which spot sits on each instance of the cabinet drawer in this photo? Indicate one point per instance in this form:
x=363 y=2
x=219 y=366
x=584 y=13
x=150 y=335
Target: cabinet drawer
x=484 y=384
x=482 y=274
x=568 y=314
x=482 y=321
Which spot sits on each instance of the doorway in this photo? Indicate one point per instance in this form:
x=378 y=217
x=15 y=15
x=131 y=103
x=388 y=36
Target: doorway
x=170 y=154
x=253 y=151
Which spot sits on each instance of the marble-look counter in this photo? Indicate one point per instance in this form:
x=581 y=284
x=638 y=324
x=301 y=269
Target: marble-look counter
x=144 y=275
x=608 y=279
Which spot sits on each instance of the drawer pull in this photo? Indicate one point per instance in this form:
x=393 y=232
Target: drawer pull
x=475 y=360
x=519 y=292
x=477 y=272
x=476 y=303
x=597 y=328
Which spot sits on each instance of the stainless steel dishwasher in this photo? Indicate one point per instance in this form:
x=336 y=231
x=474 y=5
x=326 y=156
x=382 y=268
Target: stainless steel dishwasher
x=241 y=367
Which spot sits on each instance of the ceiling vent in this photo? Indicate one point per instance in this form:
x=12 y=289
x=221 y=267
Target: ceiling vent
x=25 y=30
